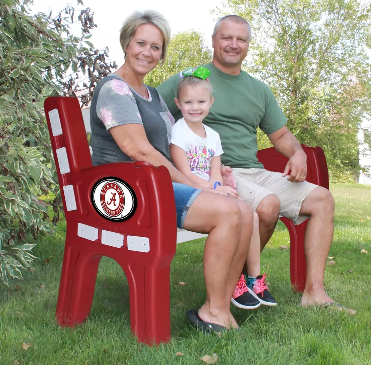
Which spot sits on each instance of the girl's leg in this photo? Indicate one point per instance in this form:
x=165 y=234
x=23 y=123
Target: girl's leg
x=255 y=281
x=253 y=257
x=221 y=218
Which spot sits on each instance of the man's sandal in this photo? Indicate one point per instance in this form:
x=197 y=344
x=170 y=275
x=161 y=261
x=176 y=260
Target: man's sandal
x=339 y=307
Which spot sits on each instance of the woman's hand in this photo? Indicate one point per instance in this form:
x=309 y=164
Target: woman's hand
x=226 y=190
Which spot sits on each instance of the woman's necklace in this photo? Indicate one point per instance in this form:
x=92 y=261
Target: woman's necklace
x=143 y=93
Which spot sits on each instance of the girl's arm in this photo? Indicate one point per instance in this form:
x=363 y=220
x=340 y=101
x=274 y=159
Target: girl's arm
x=178 y=156
x=216 y=170
x=216 y=175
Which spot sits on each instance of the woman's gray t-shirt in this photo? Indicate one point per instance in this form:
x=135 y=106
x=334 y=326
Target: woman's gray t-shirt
x=114 y=103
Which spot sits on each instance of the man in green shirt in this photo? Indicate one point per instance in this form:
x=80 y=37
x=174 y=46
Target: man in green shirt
x=243 y=103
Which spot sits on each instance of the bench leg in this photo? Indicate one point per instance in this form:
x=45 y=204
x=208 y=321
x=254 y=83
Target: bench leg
x=158 y=313
x=76 y=291
x=298 y=267
x=150 y=303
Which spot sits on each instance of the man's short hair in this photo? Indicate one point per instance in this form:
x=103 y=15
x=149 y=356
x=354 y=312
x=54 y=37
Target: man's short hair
x=234 y=18
x=145 y=17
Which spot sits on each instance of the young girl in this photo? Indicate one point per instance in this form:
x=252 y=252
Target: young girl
x=195 y=149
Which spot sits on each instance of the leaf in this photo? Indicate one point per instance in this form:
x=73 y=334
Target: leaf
x=330 y=263
x=22 y=153
x=15 y=73
x=47 y=91
x=25 y=247
x=8 y=98
x=91 y=45
x=29 y=219
x=13 y=271
x=11 y=21
x=331 y=257
x=3 y=274
x=283 y=247
x=364 y=251
x=181 y=283
x=210 y=359
x=21 y=259
x=35 y=173
x=6 y=179
x=26 y=346
x=10 y=195
x=179 y=354
x=7 y=60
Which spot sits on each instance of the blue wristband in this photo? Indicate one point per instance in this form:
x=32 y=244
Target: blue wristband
x=216 y=184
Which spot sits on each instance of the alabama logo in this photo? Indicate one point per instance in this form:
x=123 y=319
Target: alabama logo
x=113 y=199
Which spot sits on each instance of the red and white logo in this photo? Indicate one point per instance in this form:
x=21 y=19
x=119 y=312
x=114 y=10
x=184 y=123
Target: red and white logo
x=113 y=199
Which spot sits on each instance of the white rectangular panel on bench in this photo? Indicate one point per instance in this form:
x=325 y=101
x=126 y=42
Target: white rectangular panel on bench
x=112 y=239
x=64 y=166
x=136 y=243
x=184 y=236
x=69 y=196
x=88 y=232
x=86 y=117
x=55 y=122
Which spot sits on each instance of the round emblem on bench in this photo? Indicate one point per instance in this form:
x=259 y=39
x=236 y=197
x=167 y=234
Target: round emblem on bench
x=113 y=199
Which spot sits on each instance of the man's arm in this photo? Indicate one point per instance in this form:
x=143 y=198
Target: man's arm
x=286 y=143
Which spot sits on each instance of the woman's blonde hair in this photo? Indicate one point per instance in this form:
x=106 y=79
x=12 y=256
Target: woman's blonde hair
x=145 y=17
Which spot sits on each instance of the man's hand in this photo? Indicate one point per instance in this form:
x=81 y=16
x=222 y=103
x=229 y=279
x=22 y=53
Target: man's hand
x=228 y=178
x=296 y=168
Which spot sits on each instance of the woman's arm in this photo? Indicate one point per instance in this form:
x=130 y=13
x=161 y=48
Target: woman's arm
x=179 y=157
x=132 y=140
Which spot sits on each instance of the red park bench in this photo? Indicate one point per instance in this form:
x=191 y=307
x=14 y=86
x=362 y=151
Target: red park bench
x=126 y=211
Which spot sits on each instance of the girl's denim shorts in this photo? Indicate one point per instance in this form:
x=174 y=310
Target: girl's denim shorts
x=184 y=197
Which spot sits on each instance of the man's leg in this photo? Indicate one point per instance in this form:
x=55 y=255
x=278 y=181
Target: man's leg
x=320 y=206
x=225 y=251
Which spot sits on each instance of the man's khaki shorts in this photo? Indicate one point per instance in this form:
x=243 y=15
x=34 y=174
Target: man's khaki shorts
x=255 y=184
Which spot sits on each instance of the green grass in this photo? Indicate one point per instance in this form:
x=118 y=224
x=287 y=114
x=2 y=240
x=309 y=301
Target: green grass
x=287 y=334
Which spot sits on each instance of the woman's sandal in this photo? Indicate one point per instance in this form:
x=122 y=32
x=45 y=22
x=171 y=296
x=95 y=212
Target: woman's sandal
x=203 y=326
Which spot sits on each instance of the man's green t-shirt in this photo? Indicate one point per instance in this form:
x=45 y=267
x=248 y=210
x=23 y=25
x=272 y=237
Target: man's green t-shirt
x=242 y=104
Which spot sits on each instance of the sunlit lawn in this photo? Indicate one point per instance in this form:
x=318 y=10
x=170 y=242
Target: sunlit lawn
x=287 y=334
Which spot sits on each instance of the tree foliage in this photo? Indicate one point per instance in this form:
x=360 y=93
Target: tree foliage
x=36 y=53
x=312 y=53
x=186 y=49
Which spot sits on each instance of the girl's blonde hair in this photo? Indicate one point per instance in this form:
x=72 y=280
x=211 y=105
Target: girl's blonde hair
x=194 y=81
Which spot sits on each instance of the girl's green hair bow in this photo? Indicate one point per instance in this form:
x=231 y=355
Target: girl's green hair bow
x=200 y=72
